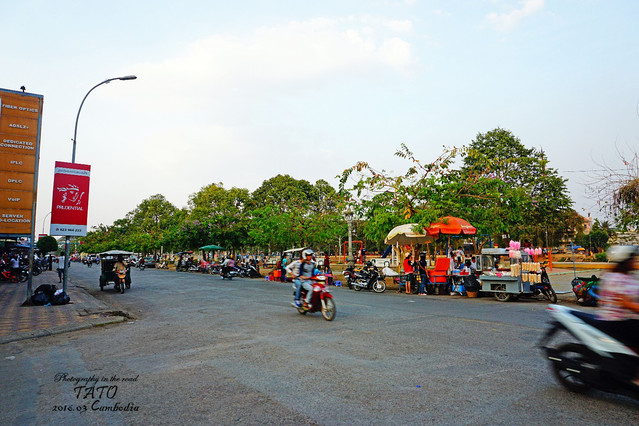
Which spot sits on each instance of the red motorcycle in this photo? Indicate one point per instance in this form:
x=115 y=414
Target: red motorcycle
x=321 y=300
x=8 y=275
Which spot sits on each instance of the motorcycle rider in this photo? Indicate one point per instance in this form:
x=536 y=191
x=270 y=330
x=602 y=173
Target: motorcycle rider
x=119 y=266
x=619 y=296
x=293 y=268
x=228 y=265
x=306 y=271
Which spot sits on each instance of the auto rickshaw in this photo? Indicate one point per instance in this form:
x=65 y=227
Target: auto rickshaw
x=108 y=259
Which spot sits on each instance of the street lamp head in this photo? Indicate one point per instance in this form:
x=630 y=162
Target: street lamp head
x=348 y=215
x=127 y=77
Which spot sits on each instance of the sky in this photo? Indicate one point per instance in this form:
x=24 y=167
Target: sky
x=239 y=92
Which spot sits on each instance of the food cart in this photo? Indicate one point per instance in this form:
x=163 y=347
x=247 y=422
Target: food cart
x=509 y=274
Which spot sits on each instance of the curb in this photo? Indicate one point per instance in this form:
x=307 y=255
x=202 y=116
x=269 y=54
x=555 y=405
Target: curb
x=61 y=329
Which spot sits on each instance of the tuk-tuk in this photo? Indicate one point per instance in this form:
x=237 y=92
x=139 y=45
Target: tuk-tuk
x=108 y=259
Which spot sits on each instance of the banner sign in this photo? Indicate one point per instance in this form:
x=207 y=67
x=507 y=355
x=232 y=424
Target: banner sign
x=70 y=199
x=20 y=122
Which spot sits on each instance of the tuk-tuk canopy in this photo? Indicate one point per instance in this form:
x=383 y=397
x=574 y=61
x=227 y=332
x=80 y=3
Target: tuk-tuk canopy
x=116 y=252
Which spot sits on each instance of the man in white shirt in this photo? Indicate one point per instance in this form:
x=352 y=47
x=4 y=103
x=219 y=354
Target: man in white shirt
x=61 y=260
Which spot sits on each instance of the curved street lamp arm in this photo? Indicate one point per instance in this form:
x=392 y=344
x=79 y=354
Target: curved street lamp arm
x=75 y=132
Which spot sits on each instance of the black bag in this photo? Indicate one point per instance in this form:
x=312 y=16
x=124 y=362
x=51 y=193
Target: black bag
x=39 y=299
x=471 y=283
x=43 y=294
x=60 y=299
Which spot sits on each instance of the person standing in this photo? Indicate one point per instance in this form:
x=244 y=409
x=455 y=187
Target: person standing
x=61 y=262
x=327 y=263
x=410 y=272
x=422 y=268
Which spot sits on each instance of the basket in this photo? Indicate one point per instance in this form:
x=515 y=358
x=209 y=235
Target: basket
x=472 y=293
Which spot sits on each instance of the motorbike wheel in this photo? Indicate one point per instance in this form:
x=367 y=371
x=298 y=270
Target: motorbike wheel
x=356 y=287
x=379 y=287
x=328 y=312
x=577 y=354
x=122 y=287
x=36 y=271
x=550 y=295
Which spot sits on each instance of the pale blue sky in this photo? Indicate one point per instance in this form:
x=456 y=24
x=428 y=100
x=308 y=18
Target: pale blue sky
x=237 y=92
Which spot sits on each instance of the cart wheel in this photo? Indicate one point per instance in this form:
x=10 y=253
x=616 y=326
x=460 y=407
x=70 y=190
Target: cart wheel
x=501 y=294
x=102 y=284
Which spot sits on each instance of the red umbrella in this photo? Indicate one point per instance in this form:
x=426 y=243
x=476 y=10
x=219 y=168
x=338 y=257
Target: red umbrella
x=451 y=225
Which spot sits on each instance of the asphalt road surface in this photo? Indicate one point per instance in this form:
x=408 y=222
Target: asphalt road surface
x=202 y=350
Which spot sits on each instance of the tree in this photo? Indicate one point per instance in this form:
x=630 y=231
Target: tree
x=617 y=190
x=531 y=199
x=501 y=188
x=47 y=244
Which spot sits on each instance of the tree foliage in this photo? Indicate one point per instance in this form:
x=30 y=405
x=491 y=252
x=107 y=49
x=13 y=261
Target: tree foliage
x=616 y=190
x=501 y=188
x=47 y=244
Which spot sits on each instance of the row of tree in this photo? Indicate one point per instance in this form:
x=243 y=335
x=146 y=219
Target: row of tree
x=506 y=190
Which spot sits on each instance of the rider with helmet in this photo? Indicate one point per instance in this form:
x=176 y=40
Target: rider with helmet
x=306 y=271
x=619 y=297
x=619 y=291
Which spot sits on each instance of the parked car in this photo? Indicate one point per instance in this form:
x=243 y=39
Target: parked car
x=149 y=262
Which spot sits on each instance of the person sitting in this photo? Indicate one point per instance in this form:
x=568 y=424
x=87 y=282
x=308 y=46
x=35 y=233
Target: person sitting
x=293 y=268
x=306 y=271
x=228 y=265
x=119 y=268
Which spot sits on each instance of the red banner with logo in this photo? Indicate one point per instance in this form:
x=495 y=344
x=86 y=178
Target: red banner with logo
x=70 y=199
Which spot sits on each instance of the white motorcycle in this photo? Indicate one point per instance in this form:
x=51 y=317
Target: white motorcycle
x=599 y=359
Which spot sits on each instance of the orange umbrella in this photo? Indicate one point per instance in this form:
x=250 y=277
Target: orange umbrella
x=451 y=225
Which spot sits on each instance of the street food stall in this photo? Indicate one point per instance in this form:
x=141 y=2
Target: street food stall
x=509 y=273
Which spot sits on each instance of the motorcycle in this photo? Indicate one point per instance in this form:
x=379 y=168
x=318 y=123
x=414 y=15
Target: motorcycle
x=586 y=290
x=120 y=283
x=321 y=300
x=544 y=287
x=228 y=273
x=37 y=269
x=367 y=278
x=600 y=359
x=8 y=275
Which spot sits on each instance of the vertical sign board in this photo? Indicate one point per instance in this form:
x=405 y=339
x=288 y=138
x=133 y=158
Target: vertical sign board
x=70 y=199
x=20 y=123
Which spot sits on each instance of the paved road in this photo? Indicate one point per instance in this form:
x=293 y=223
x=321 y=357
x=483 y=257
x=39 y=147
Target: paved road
x=201 y=350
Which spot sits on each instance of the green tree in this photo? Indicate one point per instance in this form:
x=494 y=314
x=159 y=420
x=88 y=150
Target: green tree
x=47 y=244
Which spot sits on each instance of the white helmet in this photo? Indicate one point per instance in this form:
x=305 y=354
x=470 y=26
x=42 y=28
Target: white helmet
x=307 y=252
x=620 y=254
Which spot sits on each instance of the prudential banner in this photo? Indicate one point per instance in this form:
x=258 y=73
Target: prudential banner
x=70 y=199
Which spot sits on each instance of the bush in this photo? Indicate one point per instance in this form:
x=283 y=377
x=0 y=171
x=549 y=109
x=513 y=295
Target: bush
x=601 y=257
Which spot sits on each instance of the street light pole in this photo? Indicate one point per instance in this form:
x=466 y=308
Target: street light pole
x=44 y=221
x=75 y=133
x=349 y=220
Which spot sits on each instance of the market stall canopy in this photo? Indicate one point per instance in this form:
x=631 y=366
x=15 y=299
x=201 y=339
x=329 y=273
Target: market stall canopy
x=116 y=252
x=451 y=225
x=211 y=247
x=404 y=234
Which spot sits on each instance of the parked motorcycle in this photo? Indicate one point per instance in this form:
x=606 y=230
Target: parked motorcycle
x=8 y=275
x=36 y=269
x=544 y=287
x=586 y=290
x=599 y=359
x=321 y=300
x=367 y=278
